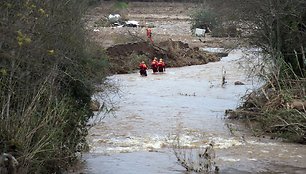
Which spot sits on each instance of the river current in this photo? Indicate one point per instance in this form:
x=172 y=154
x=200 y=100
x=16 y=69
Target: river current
x=189 y=102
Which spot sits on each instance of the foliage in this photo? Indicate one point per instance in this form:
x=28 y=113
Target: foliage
x=194 y=159
x=203 y=18
x=282 y=34
x=278 y=107
x=278 y=28
x=200 y=160
x=119 y=5
x=47 y=71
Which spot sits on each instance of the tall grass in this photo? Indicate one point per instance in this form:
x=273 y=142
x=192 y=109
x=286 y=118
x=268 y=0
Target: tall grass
x=48 y=70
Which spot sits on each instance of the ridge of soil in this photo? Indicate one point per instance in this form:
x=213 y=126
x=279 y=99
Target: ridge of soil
x=174 y=53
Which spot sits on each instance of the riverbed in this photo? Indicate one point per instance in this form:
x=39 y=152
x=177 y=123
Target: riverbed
x=189 y=103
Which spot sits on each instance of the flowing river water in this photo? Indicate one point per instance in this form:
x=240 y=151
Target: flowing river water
x=188 y=102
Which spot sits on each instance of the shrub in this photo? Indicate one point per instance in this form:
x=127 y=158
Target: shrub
x=203 y=18
x=47 y=71
x=119 y=5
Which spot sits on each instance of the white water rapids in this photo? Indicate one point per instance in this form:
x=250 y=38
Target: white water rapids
x=189 y=102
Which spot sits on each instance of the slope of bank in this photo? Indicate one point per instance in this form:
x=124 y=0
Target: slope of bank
x=125 y=58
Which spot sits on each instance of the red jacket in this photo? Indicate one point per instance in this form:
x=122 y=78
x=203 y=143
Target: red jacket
x=161 y=64
x=154 y=64
x=149 y=32
x=143 y=66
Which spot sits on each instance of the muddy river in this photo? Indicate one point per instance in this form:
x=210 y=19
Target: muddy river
x=188 y=102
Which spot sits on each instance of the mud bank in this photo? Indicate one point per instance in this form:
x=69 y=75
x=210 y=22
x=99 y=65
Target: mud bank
x=174 y=53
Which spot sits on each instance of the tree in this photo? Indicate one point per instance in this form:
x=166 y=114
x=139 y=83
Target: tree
x=278 y=27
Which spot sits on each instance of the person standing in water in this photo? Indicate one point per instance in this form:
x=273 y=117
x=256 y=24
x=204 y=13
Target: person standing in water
x=143 y=69
x=154 y=65
x=161 y=66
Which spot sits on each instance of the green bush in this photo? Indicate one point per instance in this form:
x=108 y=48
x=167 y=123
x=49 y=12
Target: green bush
x=47 y=72
x=119 y=5
x=203 y=18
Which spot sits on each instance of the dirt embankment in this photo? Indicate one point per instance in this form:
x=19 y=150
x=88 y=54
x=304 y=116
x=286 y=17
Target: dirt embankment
x=174 y=53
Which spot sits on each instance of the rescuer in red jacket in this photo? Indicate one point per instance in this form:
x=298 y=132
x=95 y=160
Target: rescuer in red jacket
x=143 y=69
x=149 y=34
x=161 y=66
x=154 y=65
